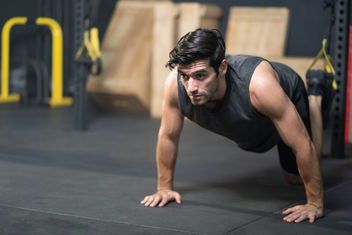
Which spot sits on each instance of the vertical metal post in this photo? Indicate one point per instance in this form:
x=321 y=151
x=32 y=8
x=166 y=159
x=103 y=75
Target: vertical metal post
x=80 y=70
x=5 y=97
x=57 y=98
x=68 y=42
x=340 y=62
x=47 y=12
x=38 y=55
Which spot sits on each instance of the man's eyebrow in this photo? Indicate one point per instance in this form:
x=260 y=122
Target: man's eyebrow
x=197 y=71
x=201 y=71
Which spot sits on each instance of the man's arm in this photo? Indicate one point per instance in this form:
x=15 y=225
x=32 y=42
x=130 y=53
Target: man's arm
x=167 y=146
x=269 y=99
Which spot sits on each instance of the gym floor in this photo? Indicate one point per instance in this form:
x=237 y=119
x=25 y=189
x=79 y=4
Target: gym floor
x=56 y=180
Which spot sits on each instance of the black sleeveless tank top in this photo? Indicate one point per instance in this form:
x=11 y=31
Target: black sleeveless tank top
x=237 y=119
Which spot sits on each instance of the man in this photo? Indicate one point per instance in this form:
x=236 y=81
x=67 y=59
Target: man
x=254 y=102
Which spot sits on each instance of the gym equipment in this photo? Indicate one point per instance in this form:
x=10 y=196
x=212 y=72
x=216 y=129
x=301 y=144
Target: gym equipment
x=5 y=97
x=57 y=98
x=194 y=15
x=262 y=31
x=40 y=72
x=348 y=126
x=327 y=75
x=342 y=9
x=90 y=48
x=257 y=31
x=88 y=55
x=124 y=83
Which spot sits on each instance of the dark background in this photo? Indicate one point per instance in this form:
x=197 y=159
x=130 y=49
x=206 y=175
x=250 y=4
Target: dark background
x=307 y=26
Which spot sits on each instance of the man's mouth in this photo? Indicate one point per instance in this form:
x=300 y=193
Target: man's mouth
x=196 y=97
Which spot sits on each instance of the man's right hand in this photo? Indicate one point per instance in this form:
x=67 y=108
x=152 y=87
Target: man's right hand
x=161 y=198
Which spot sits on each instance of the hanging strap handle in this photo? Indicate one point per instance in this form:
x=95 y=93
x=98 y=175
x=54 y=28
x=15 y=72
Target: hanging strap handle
x=327 y=66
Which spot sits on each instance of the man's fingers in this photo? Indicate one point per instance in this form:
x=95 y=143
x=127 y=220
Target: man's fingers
x=156 y=200
x=178 y=198
x=292 y=217
x=311 y=218
x=163 y=202
x=149 y=200
x=170 y=197
x=300 y=213
x=144 y=200
x=289 y=210
x=300 y=218
x=161 y=198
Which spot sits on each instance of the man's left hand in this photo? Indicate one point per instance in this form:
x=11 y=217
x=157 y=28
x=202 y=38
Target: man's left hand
x=302 y=212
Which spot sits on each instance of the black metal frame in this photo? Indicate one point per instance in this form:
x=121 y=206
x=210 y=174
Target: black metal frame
x=340 y=64
x=80 y=71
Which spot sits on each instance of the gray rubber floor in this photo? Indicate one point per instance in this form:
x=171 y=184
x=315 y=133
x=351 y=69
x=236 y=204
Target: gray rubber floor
x=56 y=180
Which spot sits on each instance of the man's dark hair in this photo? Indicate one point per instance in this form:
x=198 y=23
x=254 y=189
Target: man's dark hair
x=198 y=45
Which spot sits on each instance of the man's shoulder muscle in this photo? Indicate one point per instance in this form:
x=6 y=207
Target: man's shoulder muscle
x=171 y=93
x=265 y=91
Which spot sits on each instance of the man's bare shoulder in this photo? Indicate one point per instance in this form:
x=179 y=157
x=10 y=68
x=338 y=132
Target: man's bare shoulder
x=265 y=91
x=263 y=75
x=171 y=80
x=171 y=94
x=264 y=80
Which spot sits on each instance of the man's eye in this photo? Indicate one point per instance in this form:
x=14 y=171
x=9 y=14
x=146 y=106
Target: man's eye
x=200 y=76
x=184 y=77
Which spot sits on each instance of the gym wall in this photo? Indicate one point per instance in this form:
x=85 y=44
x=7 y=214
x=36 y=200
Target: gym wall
x=307 y=25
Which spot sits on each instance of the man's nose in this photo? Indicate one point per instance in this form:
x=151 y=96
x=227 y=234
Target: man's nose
x=192 y=85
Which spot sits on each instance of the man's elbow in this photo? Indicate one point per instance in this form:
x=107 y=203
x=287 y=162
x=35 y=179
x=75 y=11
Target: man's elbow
x=168 y=136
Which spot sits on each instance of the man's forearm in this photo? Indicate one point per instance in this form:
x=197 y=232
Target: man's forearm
x=166 y=160
x=309 y=169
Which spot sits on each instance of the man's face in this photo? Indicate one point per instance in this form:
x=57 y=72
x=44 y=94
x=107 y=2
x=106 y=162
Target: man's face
x=199 y=80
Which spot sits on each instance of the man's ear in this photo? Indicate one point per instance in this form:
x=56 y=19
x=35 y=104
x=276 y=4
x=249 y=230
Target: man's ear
x=223 y=67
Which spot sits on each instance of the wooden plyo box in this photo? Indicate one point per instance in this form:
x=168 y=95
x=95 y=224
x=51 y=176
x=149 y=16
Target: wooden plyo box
x=257 y=31
x=126 y=57
x=298 y=64
x=262 y=31
x=196 y=15
x=164 y=32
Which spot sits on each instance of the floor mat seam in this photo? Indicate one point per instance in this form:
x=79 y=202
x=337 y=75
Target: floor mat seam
x=96 y=219
x=290 y=205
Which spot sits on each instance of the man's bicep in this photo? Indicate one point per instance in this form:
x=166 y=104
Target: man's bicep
x=291 y=128
x=270 y=99
x=286 y=119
